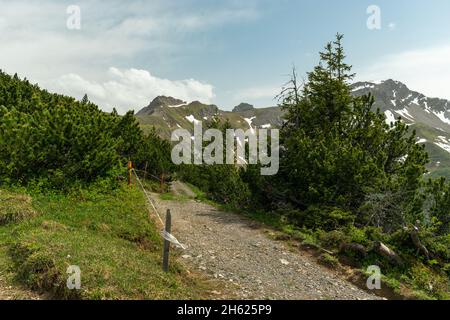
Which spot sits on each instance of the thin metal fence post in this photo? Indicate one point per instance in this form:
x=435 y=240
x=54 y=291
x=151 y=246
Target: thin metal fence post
x=166 y=242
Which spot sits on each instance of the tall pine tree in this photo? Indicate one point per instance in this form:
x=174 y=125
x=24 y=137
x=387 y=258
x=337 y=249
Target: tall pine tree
x=337 y=152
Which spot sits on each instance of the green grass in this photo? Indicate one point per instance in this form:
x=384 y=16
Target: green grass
x=328 y=260
x=172 y=197
x=199 y=194
x=109 y=236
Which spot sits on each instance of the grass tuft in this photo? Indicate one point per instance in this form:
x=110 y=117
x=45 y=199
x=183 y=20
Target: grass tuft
x=15 y=207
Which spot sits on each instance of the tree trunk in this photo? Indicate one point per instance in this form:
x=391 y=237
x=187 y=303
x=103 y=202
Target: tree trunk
x=386 y=252
x=416 y=240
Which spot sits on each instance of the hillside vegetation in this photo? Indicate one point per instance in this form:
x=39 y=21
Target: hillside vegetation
x=53 y=141
x=63 y=202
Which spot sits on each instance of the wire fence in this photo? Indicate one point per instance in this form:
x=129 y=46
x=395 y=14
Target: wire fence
x=146 y=173
x=166 y=235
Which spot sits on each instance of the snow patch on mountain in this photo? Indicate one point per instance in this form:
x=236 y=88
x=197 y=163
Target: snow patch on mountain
x=421 y=141
x=192 y=119
x=443 y=143
x=250 y=121
x=364 y=86
x=408 y=97
x=427 y=107
x=441 y=115
x=390 y=118
x=405 y=114
x=416 y=101
x=177 y=105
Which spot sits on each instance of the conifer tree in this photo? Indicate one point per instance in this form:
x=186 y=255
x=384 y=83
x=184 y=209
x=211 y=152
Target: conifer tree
x=85 y=99
x=336 y=151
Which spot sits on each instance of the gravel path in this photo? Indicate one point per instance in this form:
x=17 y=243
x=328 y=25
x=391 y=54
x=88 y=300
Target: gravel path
x=231 y=248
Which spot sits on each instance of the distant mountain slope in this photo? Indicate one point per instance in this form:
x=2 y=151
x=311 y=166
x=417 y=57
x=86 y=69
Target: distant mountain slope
x=430 y=117
x=166 y=115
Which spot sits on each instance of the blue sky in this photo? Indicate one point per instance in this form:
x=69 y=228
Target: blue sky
x=217 y=51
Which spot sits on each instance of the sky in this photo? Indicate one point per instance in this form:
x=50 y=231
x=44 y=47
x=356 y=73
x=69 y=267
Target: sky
x=125 y=53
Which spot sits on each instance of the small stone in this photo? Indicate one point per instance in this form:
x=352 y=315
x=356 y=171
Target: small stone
x=285 y=262
x=186 y=256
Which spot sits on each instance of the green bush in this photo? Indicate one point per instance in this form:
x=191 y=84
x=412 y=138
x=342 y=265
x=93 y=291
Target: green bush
x=50 y=141
x=328 y=260
x=357 y=235
x=316 y=217
x=221 y=183
x=333 y=239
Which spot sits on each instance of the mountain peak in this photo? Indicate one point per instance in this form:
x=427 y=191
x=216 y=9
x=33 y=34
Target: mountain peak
x=395 y=99
x=390 y=88
x=395 y=85
x=243 y=107
x=161 y=101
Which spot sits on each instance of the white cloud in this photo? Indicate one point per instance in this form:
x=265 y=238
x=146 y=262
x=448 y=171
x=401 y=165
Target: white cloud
x=172 y=22
x=131 y=89
x=426 y=70
x=35 y=43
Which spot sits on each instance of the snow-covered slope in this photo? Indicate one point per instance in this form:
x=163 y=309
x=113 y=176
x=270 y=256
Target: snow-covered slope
x=430 y=117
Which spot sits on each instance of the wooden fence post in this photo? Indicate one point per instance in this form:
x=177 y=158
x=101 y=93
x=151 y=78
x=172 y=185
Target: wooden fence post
x=166 y=242
x=130 y=167
x=162 y=182
x=145 y=170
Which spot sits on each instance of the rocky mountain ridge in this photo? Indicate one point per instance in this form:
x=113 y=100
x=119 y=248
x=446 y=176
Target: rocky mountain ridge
x=429 y=117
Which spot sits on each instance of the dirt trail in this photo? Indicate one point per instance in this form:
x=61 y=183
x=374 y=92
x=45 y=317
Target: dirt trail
x=231 y=248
